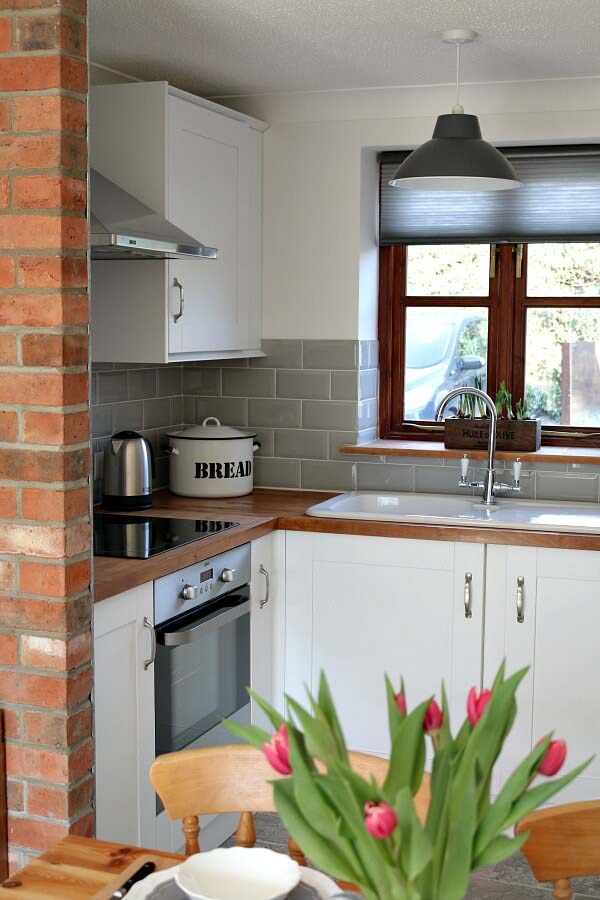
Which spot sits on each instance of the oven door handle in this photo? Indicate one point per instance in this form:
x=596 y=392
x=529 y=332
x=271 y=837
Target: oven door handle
x=188 y=635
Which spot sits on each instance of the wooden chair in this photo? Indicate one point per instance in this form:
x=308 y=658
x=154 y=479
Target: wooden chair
x=235 y=778
x=564 y=844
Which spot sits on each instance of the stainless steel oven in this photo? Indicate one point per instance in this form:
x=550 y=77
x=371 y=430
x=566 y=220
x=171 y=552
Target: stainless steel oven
x=202 y=663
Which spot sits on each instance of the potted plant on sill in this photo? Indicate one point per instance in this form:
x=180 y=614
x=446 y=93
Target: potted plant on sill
x=368 y=834
x=515 y=430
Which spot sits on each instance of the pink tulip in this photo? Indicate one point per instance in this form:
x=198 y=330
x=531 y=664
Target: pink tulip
x=277 y=751
x=380 y=820
x=554 y=759
x=401 y=703
x=476 y=704
x=433 y=718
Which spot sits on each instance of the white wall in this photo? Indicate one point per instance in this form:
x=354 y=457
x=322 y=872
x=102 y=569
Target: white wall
x=320 y=260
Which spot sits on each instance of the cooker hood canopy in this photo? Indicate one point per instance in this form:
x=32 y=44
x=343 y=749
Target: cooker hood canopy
x=122 y=227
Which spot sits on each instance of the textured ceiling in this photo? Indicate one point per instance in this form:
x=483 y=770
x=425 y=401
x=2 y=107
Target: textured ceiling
x=219 y=47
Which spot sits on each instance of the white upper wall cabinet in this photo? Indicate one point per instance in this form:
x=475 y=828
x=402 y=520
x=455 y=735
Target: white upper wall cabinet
x=199 y=165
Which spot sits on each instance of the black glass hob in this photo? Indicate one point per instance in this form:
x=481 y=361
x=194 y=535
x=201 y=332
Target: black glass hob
x=140 y=537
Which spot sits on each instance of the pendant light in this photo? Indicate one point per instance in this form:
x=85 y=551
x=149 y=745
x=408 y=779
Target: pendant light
x=456 y=158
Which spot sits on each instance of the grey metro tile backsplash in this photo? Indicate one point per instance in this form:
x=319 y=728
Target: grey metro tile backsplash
x=304 y=400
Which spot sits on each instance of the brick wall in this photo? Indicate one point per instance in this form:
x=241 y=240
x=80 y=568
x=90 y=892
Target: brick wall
x=45 y=607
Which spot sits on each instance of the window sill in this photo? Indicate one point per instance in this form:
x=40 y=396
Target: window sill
x=582 y=455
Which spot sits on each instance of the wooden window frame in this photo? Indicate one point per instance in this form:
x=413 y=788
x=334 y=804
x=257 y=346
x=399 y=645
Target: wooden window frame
x=507 y=304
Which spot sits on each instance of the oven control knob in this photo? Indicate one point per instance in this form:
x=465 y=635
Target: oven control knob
x=227 y=575
x=190 y=592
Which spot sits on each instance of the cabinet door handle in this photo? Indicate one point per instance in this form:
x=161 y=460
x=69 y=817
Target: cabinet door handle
x=468 y=595
x=179 y=286
x=267 y=596
x=148 y=662
x=520 y=599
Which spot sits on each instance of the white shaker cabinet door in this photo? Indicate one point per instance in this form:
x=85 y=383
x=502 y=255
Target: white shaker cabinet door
x=558 y=638
x=124 y=717
x=510 y=622
x=213 y=180
x=358 y=607
x=267 y=618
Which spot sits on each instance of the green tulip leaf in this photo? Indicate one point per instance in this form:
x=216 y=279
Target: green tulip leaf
x=440 y=780
x=319 y=740
x=328 y=708
x=249 y=733
x=499 y=849
x=462 y=820
x=539 y=795
x=416 y=851
x=322 y=853
x=407 y=758
x=271 y=713
x=373 y=853
x=517 y=784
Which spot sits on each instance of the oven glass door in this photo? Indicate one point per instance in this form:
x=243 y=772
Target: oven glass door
x=202 y=670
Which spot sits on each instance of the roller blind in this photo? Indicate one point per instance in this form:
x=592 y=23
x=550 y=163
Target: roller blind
x=559 y=201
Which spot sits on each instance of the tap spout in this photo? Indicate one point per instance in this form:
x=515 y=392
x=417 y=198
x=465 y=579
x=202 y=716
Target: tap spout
x=488 y=497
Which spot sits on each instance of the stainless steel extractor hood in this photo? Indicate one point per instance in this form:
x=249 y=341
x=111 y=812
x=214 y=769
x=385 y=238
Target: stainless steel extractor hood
x=122 y=227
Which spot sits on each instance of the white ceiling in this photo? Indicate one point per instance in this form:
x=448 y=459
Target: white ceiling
x=220 y=47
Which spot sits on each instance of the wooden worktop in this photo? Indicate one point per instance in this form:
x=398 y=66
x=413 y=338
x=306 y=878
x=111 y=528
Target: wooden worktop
x=266 y=510
x=81 y=869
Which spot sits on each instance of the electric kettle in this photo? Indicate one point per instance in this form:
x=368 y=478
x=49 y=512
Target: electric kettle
x=127 y=474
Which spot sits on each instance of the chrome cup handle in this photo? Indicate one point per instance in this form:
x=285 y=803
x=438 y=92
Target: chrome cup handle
x=267 y=596
x=148 y=662
x=520 y=599
x=179 y=286
x=468 y=595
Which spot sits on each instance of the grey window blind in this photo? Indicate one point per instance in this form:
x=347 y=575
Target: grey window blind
x=559 y=201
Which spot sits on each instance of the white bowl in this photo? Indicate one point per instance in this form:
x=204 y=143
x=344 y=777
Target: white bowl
x=238 y=872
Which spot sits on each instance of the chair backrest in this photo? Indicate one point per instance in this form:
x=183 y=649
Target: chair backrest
x=235 y=778
x=564 y=843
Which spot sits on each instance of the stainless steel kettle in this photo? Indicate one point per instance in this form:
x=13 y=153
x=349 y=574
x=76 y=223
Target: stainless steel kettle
x=127 y=474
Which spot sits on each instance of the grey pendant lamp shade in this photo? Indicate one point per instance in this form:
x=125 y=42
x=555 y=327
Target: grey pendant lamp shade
x=456 y=158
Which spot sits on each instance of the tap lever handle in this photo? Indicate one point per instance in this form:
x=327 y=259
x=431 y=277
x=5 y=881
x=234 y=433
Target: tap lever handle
x=517 y=470
x=464 y=466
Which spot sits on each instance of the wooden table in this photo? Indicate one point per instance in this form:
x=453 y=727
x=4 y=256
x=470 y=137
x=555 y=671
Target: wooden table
x=77 y=869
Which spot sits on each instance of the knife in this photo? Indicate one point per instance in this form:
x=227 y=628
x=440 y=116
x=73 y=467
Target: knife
x=141 y=873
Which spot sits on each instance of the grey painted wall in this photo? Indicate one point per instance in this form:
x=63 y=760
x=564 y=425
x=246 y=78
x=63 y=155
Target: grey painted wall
x=303 y=399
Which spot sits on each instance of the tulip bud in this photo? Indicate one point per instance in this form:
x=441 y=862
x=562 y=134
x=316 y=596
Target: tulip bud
x=434 y=718
x=554 y=759
x=400 y=699
x=380 y=820
x=476 y=704
x=277 y=751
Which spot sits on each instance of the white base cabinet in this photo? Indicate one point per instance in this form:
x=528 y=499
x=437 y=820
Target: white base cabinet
x=358 y=607
x=124 y=717
x=124 y=702
x=558 y=639
x=267 y=623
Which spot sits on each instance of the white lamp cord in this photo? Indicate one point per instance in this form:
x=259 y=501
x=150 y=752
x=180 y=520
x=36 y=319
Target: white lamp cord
x=458 y=108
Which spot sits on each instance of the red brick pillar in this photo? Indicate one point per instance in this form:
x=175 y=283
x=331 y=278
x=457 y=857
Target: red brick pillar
x=45 y=606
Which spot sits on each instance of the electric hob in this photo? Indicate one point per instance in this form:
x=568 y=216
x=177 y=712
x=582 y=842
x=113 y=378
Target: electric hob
x=140 y=537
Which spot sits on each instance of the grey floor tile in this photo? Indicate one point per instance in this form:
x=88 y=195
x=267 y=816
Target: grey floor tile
x=487 y=889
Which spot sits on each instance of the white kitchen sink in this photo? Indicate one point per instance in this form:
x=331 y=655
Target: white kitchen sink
x=534 y=515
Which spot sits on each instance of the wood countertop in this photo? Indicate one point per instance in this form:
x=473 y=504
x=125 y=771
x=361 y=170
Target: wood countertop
x=80 y=868
x=266 y=510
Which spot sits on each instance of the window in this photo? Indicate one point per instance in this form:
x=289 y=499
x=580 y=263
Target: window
x=479 y=314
